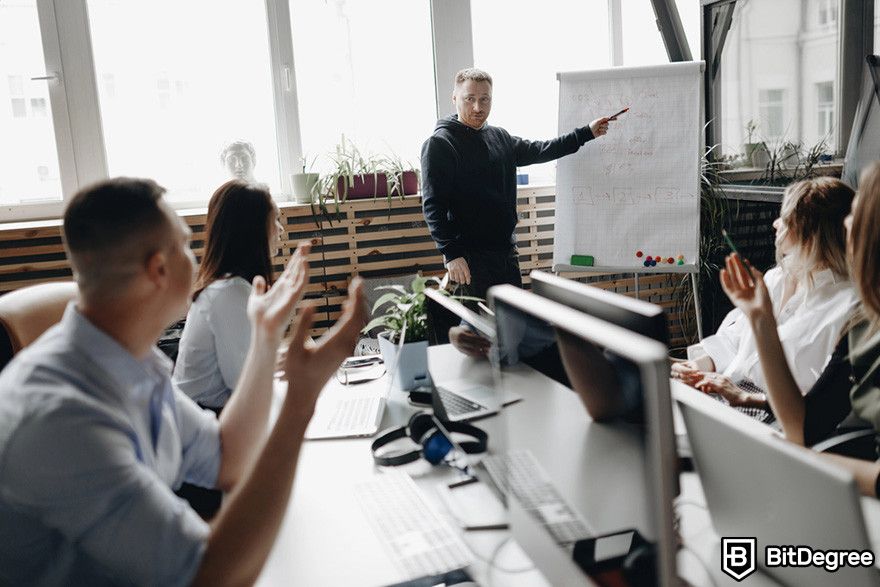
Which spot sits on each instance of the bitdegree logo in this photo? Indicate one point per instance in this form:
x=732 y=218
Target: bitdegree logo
x=738 y=557
x=805 y=556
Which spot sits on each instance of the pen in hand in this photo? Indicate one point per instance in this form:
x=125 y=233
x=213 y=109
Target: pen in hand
x=732 y=246
x=616 y=114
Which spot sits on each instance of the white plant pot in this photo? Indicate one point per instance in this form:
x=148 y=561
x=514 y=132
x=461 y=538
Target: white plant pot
x=410 y=370
x=301 y=185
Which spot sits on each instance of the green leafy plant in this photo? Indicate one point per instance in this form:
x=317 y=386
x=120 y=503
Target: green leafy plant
x=346 y=163
x=406 y=307
x=393 y=166
x=714 y=209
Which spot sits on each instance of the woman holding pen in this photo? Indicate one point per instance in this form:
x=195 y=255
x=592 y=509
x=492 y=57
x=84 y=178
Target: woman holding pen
x=809 y=291
x=861 y=363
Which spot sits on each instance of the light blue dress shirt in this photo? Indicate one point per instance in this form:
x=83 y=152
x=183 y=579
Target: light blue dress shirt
x=91 y=442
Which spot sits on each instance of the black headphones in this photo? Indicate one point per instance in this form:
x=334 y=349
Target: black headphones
x=433 y=444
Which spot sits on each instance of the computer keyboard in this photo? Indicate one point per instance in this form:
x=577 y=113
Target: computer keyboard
x=415 y=537
x=520 y=474
x=354 y=413
x=759 y=414
x=457 y=405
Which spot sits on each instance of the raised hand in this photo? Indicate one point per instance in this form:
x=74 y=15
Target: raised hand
x=746 y=289
x=270 y=311
x=308 y=365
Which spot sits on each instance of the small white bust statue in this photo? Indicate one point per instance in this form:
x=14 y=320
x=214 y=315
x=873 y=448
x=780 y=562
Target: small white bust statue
x=239 y=159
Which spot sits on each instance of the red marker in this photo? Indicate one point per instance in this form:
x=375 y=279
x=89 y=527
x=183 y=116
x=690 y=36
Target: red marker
x=614 y=116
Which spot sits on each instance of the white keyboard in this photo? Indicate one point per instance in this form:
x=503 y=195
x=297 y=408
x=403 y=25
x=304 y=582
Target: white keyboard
x=344 y=417
x=520 y=474
x=415 y=537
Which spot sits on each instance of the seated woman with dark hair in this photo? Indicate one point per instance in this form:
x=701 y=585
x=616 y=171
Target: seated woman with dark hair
x=242 y=235
x=857 y=383
x=810 y=294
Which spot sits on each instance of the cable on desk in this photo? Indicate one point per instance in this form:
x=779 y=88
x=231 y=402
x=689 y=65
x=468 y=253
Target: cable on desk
x=702 y=563
x=495 y=567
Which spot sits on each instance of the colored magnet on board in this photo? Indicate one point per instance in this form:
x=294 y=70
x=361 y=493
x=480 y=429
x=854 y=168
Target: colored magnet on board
x=681 y=261
x=639 y=254
x=582 y=260
x=670 y=260
x=647 y=263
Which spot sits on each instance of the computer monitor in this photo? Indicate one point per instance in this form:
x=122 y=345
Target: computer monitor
x=636 y=315
x=602 y=360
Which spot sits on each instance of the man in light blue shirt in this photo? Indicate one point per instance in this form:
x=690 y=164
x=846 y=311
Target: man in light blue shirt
x=94 y=436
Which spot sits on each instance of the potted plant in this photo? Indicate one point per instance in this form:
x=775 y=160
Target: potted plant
x=755 y=153
x=404 y=340
x=303 y=185
x=401 y=177
x=355 y=174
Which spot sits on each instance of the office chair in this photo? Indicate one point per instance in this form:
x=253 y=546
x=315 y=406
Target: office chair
x=27 y=313
x=854 y=438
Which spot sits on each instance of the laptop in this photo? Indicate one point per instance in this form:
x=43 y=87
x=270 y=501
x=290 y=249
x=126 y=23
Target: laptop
x=759 y=485
x=462 y=400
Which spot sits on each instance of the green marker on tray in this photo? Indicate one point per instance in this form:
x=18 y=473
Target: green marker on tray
x=582 y=260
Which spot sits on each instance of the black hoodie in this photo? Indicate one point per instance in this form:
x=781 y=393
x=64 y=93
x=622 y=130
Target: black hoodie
x=469 y=182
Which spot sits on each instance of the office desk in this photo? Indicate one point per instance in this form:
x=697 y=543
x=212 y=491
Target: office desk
x=325 y=539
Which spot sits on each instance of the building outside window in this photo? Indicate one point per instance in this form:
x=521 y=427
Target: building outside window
x=776 y=55
x=27 y=135
x=771 y=108
x=827 y=12
x=825 y=108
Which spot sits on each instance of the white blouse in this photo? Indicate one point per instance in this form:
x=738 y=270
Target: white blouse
x=809 y=327
x=215 y=342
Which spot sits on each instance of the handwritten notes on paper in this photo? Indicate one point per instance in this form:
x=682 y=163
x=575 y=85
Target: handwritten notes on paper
x=637 y=188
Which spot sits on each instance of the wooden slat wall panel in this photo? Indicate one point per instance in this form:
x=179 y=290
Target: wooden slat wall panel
x=370 y=238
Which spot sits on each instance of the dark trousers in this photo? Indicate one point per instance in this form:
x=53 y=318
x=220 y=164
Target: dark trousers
x=490 y=268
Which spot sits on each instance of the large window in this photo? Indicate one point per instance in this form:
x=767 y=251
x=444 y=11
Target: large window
x=364 y=70
x=523 y=46
x=174 y=90
x=28 y=155
x=777 y=55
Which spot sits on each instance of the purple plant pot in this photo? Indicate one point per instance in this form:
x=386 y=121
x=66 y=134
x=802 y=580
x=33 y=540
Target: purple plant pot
x=374 y=186
x=364 y=186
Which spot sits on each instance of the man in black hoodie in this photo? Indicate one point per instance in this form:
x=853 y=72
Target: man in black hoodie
x=469 y=185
